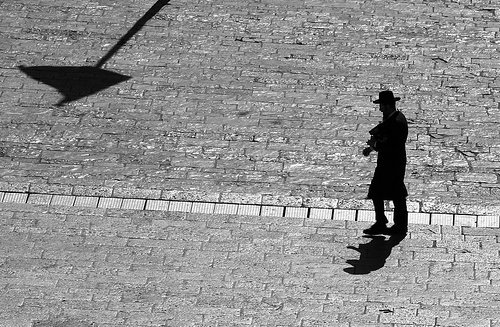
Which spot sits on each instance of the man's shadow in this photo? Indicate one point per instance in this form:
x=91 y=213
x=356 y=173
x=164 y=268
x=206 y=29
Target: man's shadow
x=76 y=82
x=373 y=254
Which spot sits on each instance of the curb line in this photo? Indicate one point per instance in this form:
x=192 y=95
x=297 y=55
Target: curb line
x=242 y=209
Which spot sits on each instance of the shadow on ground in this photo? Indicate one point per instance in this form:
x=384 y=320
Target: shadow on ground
x=77 y=82
x=372 y=255
x=74 y=82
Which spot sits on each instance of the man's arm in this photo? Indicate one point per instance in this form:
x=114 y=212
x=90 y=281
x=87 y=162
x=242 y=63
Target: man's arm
x=394 y=135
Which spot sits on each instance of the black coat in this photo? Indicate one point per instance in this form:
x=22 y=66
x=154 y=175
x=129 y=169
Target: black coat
x=388 y=179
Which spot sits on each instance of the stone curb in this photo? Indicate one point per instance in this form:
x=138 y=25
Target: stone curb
x=243 y=209
x=414 y=205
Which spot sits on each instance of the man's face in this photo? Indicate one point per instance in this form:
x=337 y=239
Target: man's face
x=386 y=108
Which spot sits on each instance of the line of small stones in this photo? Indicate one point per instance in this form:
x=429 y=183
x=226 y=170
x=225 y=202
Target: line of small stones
x=241 y=209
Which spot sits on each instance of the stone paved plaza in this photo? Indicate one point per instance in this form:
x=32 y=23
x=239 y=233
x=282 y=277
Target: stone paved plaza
x=261 y=102
x=198 y=163
x=86 y=267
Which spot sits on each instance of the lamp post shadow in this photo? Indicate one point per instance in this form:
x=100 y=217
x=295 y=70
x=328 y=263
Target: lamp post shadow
x=372 y=255
x=76 y=82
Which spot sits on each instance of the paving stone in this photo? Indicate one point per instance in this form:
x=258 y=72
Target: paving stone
x=51 y=189
x=224 y=208
x=442 y=219
x=86 y=201
x=340 y=214
x=20 y=187
x=419 y=218
x=413 y=206
x=203 y=207
x=321 y=202
x=365 y=215
x=465 y=220
x=282 y=200
x=39 y=199
x=481 y=231
x=488 y=221
x=136 y=193
x=247 y=209
x=90 y=191
x=320 y=213
x=180 y=206
x=157 y=205
x=296 y=212
x=110 y=203
x=477 y=177
x=64 y=200
x=441 y=208
x=15 y=197
x=272 y=211
x=190 y=196
x=136 y=204
x=241 y=198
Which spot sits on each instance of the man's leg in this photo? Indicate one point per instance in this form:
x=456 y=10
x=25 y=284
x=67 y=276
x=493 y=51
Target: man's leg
x=400 y=217
x=380 y=219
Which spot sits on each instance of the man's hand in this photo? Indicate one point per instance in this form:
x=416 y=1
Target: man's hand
x=371 y=142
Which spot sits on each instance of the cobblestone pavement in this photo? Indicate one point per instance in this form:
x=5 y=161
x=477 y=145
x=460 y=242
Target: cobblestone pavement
x=101 y=267
x=235 y=129
x=258 y=102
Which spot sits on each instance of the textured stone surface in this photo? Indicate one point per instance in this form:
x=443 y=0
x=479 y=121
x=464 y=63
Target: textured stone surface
x=245 y=209
x=104 y=267
x=264 y=102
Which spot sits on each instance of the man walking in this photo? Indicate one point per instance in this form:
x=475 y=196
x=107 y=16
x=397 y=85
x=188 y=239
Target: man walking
x=388 y=139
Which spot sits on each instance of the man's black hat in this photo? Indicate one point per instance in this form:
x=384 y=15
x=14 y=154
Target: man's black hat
x=386 y=97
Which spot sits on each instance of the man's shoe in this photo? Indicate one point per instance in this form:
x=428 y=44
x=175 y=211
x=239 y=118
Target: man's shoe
x=397 y=230
x=377 y=228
